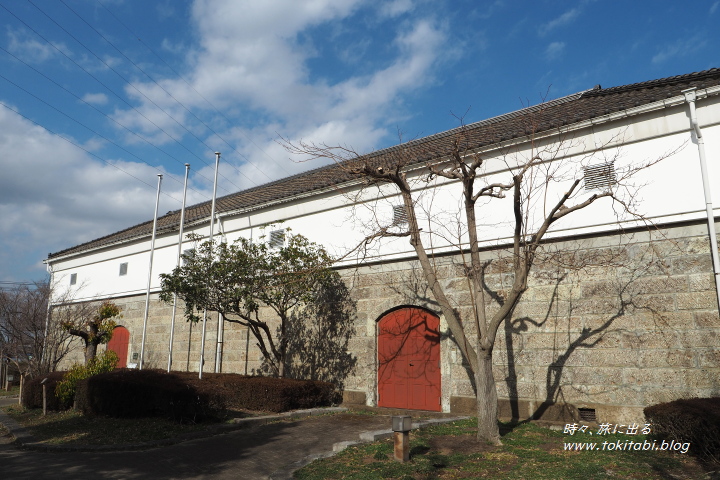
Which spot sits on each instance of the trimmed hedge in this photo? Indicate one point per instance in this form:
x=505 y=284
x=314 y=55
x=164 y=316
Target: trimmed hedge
x=32 y=392
x=127 y=393
x=694 y=420
x=181 y=396
x=266 y=394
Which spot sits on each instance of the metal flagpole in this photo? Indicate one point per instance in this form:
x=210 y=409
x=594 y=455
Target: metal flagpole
x=219 y=344
x=212 y=231
x=147 y=294
x=177 y=264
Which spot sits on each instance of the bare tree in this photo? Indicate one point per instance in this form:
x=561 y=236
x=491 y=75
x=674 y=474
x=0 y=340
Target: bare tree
x=535 y=184
x=29 y=341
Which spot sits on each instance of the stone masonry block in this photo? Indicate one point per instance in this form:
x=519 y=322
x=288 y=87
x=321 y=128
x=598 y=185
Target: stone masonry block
x=657 y=285
x=696 y=300
x=691 y=264
x=707 y=318
x=701 y=282
x=654 y=303
x=650 y=340
x=700 y=338
x=709 y=358
x=666 y=358
x=603 y=288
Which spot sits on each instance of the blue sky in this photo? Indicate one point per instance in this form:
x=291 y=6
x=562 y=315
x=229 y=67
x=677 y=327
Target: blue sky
x=99 y=96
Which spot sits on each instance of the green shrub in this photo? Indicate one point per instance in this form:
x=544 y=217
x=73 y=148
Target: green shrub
x=32 y=396
x=693 y=420
x=65 y=389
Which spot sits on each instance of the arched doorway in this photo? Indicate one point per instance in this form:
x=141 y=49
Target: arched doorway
x=119 y=344
x=409 y=359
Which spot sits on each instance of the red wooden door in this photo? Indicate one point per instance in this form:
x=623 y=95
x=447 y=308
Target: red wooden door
x=409 y=360
x=119 y=344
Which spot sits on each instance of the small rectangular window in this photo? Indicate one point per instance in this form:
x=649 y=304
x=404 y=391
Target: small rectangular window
x=277 y=239
x=187 y=254
x=73 y=278
x=600 y=177
x=400 y=216
x=123 y=269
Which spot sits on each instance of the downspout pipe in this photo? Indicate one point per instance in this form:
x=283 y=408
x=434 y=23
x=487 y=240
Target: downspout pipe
x=690 y=97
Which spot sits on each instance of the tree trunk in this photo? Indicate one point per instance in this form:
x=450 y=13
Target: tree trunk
x=487 y=400
x=90 y=352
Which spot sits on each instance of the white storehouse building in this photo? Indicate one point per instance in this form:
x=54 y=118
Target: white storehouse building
x=602 y=342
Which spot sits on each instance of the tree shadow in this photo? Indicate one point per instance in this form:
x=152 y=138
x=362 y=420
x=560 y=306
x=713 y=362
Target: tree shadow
x=318 y=336
x=622 y=291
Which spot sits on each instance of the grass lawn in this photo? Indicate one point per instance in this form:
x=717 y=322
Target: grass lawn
x=10 y=393
x=74 y=428
x=528 y=452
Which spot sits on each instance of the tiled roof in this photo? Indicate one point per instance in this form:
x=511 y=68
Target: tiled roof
x=540 y=118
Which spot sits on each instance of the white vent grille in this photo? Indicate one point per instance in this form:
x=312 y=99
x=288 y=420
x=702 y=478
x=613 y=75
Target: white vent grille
x=600 y=177
x=187 y=254
x=400 y=216
x=277 y=239
x=123 y=269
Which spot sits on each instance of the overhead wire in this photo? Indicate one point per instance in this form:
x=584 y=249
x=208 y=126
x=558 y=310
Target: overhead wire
x=109 y=89
x=86 y=127
x=218 y=111
x=105 y=115
x=84 y=149
x=171 y=96
x=130 y=84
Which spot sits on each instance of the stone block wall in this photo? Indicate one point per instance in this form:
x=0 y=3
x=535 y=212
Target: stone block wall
x=612 y=323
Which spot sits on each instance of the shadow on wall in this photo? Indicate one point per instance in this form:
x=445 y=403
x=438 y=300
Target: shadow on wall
x=318 y=337
x=606 y=301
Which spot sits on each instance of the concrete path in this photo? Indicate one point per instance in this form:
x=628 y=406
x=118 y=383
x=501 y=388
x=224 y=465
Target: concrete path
x=260 y=452
x=269 y=451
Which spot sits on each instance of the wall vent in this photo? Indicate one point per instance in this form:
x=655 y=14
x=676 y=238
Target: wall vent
x=400 y=216
x=587 y=414
x=277 y=239
x=187 y=254
x=123 y=269
x=600 y=177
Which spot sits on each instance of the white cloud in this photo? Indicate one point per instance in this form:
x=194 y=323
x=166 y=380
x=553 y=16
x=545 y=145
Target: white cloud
x=165 y=10
x=249 y=58
x=59 y=196
x=679 y=48
x=554 y=50
x=564 y=19
x=395 y=8
x=30 y=49
x=252 y=60
x=714 y=7
x=95 y=98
